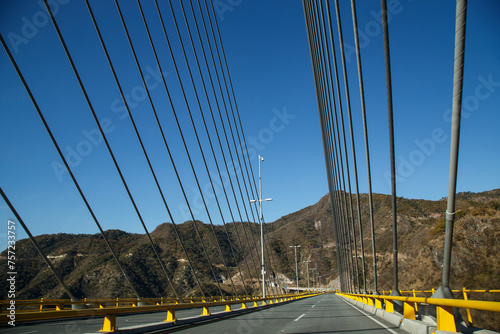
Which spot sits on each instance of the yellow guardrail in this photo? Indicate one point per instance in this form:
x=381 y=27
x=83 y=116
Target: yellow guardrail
x=108 y=308
x=463 y=291
x=444 y=312
x=59 y=304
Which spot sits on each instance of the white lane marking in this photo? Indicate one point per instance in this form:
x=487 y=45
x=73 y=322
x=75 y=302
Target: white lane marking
x=29 y=332
x=300 y=317
x=369 y=316
x=313 y=306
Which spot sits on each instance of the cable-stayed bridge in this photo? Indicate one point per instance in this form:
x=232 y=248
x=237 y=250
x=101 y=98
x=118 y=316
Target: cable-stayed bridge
x=165 y=62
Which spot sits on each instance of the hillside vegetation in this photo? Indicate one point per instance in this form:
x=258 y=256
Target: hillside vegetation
x=88 y=268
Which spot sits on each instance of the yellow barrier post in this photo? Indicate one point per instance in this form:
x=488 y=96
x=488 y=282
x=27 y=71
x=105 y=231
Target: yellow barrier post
x=41 y=304
x=244 y=306
x=445 y=319
x=469 y=317
x=206 y=311
x=228 y=308
x=389 y=305
x=409 y=310
x=170 y=316
x=109 y=324
x=414 y=295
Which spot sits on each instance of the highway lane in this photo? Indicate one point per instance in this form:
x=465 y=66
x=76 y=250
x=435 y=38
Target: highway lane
x=320 y=314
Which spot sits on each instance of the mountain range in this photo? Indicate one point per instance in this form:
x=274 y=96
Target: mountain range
x=88 y=268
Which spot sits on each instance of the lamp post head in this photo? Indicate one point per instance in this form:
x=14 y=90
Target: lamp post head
x=252 y=201
x=268 y=199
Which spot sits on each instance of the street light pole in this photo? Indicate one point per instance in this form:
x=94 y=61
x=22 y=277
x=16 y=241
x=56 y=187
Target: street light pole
x=261 y=229
x=313 y=272
x=296 y=267
x=307 y=263
x=316 y=271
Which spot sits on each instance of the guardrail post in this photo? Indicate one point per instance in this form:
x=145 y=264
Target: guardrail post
x=244 y=306
x=416 y=306
x=469 y=317
x=205 y=311
x=41 y=304
x=389 y=305
x=445 y=319
x=170 y=316
x=59 y=307
x=109 y=324
x=228 y=308
x=409 y=310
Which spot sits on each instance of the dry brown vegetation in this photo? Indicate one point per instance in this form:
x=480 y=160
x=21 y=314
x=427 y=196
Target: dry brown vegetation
x=90 y=271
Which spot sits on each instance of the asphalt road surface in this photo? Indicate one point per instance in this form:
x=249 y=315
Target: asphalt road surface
x=320 y=314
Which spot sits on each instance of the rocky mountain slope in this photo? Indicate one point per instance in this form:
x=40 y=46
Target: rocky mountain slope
x=88 y=268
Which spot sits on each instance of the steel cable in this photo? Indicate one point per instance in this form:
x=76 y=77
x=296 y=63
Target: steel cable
x=73 y=178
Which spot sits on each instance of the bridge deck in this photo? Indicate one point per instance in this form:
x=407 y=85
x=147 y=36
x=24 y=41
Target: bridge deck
x=320 y=314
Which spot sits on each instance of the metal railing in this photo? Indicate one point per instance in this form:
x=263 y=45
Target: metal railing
x=464 y=294
x=58 y=309
x=444 y=313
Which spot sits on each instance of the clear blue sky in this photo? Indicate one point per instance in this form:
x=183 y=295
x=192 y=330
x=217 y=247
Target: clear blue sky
x=268 y=56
